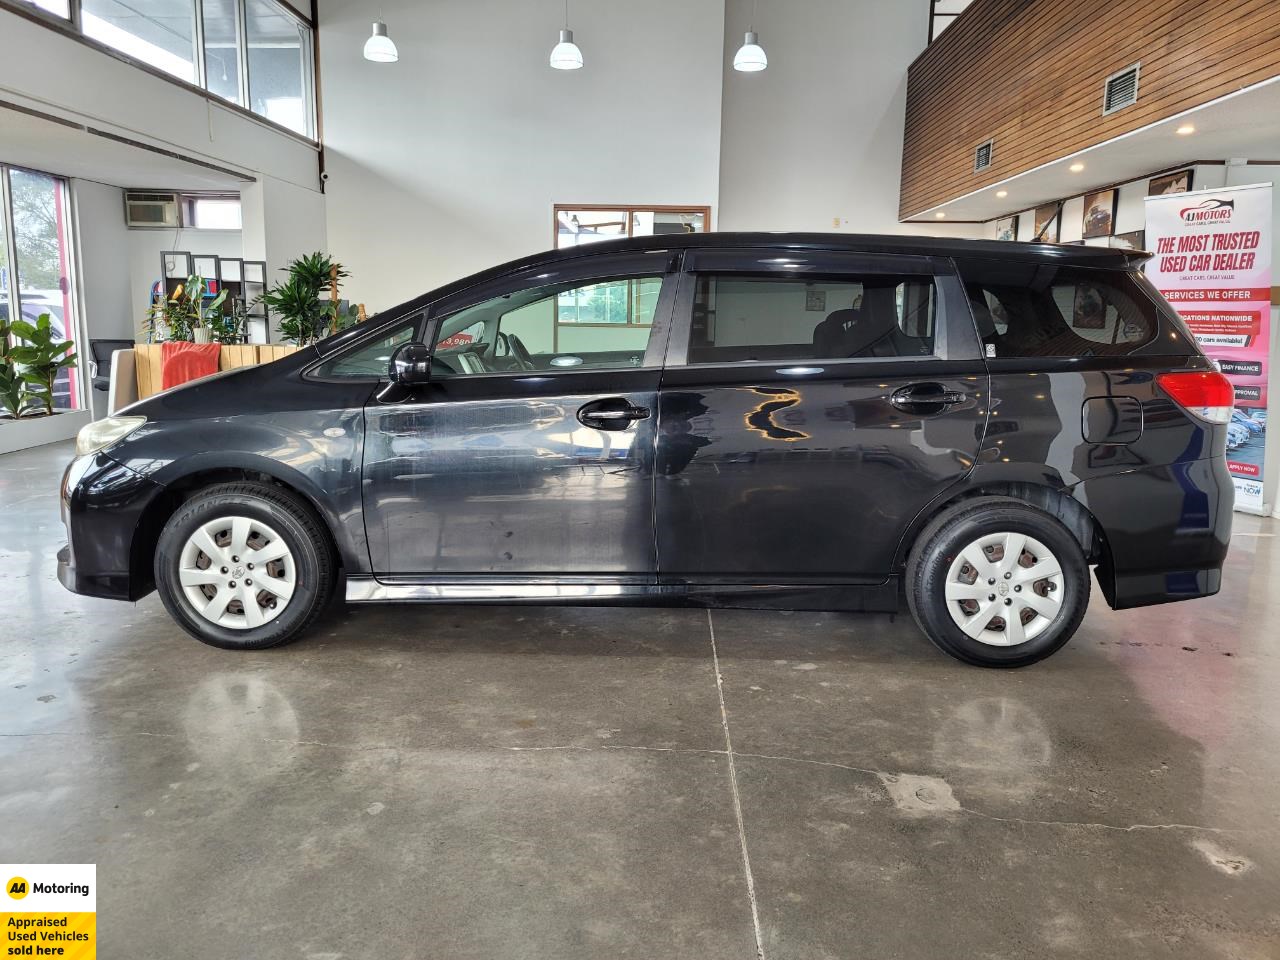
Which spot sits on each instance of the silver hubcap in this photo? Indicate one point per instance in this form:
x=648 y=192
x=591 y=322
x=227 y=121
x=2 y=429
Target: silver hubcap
x=237 y=572
x=1004 y=589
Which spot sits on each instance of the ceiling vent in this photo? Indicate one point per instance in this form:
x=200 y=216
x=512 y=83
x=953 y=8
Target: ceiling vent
x=982 y=156
x=1121 y=90
x=154 y=210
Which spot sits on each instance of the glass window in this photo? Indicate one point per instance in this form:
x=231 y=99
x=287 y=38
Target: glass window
x=576 y=226
x=753 y=318
x=527 y=331
x=61 y=8
x=214 y=213
x=943 y=13
x=370 y=359
x=42 y=260
x=222 y=48
x=1041 y=310
x=160 y=33
x=279 y=52
x=6 y=267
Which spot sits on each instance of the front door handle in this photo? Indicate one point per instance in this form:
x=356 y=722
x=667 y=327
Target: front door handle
x=925 y=398
x=616 y=413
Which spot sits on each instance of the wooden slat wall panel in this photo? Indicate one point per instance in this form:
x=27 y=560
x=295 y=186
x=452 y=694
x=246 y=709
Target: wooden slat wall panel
x=274 y=351
x=148 y=367
x=1030 y=74
x=237 y=355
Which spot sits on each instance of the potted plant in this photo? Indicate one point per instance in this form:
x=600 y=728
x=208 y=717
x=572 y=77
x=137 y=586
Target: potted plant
x=299 y=303
x=28 y=376
x=40 y=357
x=184 y=315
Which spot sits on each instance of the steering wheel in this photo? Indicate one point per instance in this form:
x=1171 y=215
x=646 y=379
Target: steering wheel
x=517 y=349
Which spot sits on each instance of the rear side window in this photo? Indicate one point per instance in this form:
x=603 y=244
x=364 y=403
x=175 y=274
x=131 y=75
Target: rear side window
x=738 y=318
x=1045 y=310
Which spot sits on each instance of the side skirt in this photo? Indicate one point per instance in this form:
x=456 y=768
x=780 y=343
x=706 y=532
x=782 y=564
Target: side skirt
x=620 y=592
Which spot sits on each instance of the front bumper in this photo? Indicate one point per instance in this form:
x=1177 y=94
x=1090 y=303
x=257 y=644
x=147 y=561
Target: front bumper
x=103 y=503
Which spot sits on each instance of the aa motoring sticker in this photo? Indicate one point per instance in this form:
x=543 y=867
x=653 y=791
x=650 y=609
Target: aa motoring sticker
x=49 y=910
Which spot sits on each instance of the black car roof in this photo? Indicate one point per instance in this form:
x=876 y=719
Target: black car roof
x=1057 y=253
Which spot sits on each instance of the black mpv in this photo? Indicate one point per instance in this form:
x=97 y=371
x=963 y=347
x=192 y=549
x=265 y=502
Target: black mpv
x=745 y=420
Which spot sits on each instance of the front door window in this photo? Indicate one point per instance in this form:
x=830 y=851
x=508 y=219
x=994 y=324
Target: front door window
x=601 y=324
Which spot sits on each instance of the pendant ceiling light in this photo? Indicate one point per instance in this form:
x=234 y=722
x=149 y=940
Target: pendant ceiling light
x=379 y=47
x=565 y=55
x=750 y=57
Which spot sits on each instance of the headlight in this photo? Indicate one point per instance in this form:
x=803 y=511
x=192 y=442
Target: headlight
x=102 y=433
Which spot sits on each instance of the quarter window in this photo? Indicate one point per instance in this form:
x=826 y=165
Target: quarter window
x=370 y=359
x=750 y=318
x=1041 y=310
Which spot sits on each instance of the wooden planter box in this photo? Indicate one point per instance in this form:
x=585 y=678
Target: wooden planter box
x=149 y=370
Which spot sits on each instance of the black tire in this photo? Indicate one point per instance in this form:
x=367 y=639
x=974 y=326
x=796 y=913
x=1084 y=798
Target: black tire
x=948 y=534
x=296 y=523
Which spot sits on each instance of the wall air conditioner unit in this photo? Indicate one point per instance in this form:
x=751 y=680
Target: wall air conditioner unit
x=152 y=210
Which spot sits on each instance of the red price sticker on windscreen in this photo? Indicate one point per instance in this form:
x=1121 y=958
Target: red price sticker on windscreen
x=50 y=910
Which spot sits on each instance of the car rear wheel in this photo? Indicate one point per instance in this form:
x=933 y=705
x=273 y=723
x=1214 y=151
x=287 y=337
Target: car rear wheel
x=244 y=566
x=997 y=583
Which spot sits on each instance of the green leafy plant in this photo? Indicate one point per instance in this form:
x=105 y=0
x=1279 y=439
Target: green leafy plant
x=13 y=390
x=299 y=303
x=185 y=310
x=40 y=357
x=226 y=326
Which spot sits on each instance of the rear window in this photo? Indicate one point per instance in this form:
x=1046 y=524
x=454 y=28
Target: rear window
x=1045 y=310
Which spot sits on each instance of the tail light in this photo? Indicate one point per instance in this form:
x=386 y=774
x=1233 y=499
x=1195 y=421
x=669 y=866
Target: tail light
x=1205 y=394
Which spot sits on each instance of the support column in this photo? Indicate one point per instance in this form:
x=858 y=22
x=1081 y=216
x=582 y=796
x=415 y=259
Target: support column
x=280 y=222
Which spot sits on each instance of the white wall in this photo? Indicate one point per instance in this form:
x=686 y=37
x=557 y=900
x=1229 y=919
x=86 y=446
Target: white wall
x=281 y=222
x=815 y=141
x=102 y=274
x=450 y=160
x=104 y=261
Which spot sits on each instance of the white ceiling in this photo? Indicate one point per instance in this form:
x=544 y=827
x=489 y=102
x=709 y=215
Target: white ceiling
x=1245 y=124
x=29 y=141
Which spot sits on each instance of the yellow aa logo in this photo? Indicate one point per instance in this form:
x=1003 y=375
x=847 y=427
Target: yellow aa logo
x=17 y=888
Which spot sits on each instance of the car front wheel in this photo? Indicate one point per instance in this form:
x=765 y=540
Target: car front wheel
x=244 y=566
x=997 y=583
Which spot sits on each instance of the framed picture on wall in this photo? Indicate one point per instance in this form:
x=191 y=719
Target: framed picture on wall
x=1134 y=240
x=1179 y=182
x=1099 y=214
x=1007 y=229
x=1047 y=223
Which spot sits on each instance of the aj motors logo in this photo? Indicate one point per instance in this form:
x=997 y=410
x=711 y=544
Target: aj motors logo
x=1208 y=211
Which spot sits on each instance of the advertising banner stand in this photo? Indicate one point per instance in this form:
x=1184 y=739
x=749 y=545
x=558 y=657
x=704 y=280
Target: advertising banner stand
x=1213 y=263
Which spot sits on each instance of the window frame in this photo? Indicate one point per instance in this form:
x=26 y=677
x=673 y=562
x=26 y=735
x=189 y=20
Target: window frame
x=582 y=272
x=1080 y=273
x=73 y=322
x=955 y=336
x=72 y=27
x=628 y=210
x=430 y=317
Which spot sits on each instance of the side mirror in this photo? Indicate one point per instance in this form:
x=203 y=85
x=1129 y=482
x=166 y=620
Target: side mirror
x=411 y=364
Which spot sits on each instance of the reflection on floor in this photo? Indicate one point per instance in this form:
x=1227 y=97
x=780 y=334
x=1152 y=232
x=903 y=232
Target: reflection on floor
x=517 y=782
